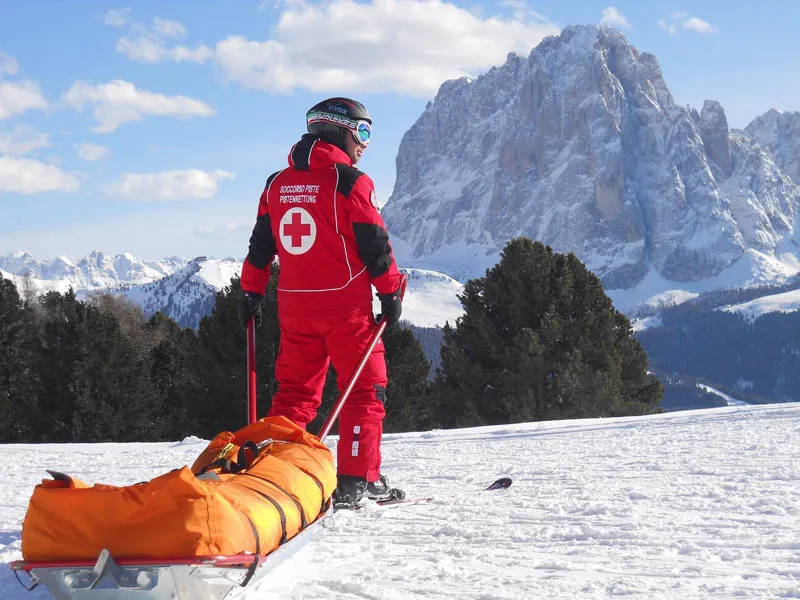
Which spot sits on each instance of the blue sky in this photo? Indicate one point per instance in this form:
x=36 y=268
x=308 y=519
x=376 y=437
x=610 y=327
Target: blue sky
x=150 y=127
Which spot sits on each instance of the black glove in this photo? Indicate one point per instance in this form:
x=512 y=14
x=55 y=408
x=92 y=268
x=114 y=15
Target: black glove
x=391 y=307
x=249 y=305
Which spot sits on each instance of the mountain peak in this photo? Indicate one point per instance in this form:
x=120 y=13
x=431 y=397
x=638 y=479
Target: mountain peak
x=581 y=146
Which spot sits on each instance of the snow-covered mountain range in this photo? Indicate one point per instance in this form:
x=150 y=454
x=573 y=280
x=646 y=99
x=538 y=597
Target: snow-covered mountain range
x=97 y=271
x=184 y=289
x=581 y=146
x=188 y=294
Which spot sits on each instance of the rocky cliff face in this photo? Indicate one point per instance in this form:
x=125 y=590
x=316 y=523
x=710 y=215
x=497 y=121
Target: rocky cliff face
x=580 y=145
x=779 y=132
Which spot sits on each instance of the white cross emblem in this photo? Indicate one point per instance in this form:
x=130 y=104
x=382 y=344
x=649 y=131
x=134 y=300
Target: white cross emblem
x=297 y=231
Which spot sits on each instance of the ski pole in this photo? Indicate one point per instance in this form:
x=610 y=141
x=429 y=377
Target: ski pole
x=337 y=408
x=251 y=370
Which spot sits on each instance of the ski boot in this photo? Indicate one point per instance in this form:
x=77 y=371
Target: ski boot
x=351 y=489
x=380 y=491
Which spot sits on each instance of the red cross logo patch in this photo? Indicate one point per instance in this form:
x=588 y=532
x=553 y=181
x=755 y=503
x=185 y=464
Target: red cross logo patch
x=297 y=231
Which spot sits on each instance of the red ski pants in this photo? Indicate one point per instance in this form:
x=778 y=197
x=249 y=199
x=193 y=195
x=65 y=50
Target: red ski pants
x=308 y=345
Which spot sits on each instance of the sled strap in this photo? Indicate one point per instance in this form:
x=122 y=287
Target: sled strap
x=252 y=569
x=241 y=460
x=277 y=506
x=321 y=490
x=303 y=519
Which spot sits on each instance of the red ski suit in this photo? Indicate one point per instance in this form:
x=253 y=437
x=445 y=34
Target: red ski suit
x=319 y=216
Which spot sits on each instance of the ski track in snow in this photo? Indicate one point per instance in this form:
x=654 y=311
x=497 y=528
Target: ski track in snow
x=694 y=504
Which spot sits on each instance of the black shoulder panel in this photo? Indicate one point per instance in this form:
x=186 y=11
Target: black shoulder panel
x=347 y=178
x=271 y=178
x=301 y=153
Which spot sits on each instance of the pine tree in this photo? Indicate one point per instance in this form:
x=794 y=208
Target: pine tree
x=539 y=339
x=220 y=362
x=171 y=374
x=91 y=384
x=407 y=395
x=16 y=377
x=59 y=320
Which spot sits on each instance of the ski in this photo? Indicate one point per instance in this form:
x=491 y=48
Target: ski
x=395 y=501
x=382 y=503
x=499 y=484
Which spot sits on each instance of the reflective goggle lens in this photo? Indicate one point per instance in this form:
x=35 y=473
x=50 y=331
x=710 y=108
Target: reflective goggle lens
x=363 y=132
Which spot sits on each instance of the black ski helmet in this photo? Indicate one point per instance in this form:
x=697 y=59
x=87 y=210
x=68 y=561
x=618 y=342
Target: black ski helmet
x=334 y=118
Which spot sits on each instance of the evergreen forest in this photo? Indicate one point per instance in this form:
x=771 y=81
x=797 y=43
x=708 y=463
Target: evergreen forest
x=539 y=339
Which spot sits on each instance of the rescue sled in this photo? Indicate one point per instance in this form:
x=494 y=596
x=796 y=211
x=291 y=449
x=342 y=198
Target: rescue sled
x=251 y=499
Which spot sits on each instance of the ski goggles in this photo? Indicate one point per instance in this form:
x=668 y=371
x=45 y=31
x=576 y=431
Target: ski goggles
x=361 y=130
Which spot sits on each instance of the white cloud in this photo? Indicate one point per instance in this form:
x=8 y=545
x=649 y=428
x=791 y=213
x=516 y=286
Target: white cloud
x=119 y=102
x=699 y=25
x=611 y=16
x=8 y=64
x=406 y=46
x=142 y=48
x=681 y=20
x=91 y=152
x=167 y=28
x=28 y=176
x=169 y=185
x=16 y=97
x=147 y=44
x=118 y=17
x=22 y=140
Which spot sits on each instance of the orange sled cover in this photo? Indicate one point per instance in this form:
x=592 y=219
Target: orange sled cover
x=287 y=481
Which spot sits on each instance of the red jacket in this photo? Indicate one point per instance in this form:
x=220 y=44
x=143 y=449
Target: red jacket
x=320 y=217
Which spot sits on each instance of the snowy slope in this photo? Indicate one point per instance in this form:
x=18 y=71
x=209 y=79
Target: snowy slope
x=752 y=269
x=786 y=302
x=431 y=298
x=36 y=286
x=188 y=294
x=696 y=504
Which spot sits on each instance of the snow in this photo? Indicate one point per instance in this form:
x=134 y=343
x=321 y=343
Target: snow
x=786 y=302
x=645 y=323
x=753 y=268
x=693 y=504
x=219 y=273
x=37 y=286
x=431 y=299
x=729 y=399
